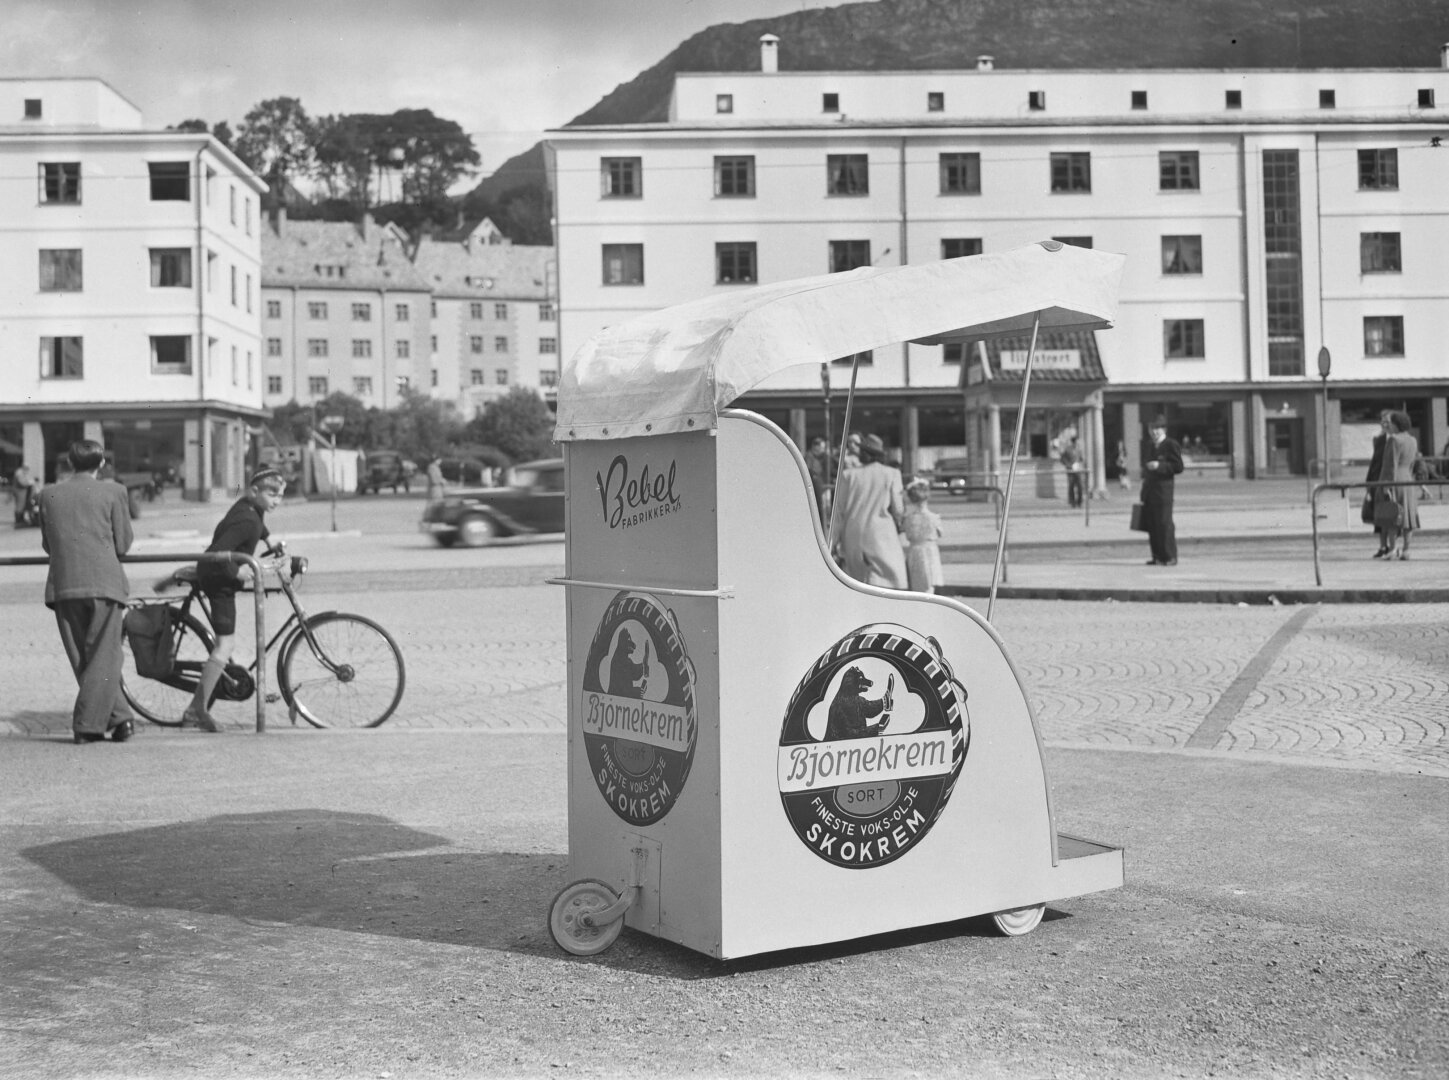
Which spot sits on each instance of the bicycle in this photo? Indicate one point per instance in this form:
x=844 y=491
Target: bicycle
x=334 y=669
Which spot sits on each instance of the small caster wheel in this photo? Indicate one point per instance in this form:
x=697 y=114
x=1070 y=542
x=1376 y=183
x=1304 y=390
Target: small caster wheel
x=1018 y=921
x=571 y=918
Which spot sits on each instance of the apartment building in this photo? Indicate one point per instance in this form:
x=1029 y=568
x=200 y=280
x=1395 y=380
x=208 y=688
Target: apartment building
x=1265 y=215
x=344 y=311
x=129 y=288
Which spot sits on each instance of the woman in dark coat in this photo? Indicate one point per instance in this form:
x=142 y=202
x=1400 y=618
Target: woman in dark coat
x=1376 y=464
x=1397 y=512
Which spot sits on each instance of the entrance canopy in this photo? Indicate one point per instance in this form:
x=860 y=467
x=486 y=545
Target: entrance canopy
x=677 y=369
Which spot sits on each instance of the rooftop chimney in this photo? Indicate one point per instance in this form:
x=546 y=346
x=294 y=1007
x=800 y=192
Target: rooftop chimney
x=769 y=54
x=986 y=63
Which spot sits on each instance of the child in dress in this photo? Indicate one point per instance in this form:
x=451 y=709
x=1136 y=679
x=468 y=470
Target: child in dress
x=922 y=527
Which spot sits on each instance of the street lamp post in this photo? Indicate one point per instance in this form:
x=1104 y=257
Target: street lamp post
x=1325 y=361
x=332 y=424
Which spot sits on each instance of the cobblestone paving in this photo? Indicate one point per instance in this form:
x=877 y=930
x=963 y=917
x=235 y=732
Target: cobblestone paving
x=1363 y=685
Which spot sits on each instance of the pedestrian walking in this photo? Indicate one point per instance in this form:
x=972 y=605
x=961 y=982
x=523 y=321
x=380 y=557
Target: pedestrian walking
x=922 y=528
x=1163 y=464
x=435 y=481
x=240 y=531
x=869 y=502
x=86 y=529
x=1371 y=498
x=23 y=489
x=817 y=462
x=1123 y=480
x=1397 y=510
x=1071 y=459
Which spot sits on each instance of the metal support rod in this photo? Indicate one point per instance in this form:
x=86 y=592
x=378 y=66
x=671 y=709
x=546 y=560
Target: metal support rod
x=1011 y=472
x=844 y=437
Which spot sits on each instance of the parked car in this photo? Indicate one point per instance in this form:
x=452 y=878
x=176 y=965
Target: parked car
x=952 y=475
x=462 y=470
x=531 y=502
x=386 y=469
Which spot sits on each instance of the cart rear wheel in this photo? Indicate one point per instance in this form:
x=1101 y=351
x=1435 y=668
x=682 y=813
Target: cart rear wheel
x=570 y=918
x=1018 y=921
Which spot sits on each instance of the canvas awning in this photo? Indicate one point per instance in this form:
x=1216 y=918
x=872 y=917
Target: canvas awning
x=676 y=369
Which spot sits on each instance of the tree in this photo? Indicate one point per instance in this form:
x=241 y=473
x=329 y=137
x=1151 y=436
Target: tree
x=200 y=127
x=433 y=153
x=519 y=423
x=345 y=149
x=276 y=139
x=424 y=427
x=221 y=131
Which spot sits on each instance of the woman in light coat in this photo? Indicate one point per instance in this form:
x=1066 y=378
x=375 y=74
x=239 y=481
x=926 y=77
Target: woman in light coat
x=1397 y=511
x=869 y=506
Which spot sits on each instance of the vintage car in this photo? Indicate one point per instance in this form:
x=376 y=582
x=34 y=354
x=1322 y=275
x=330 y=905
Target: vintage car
x=952 y=475
x=531 y=502
x=385 y=469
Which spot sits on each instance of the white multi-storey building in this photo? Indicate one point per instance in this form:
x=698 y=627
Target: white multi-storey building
x=129 y=288
x=1265 y=215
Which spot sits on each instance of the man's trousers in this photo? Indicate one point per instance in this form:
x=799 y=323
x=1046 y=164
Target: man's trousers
x=90 y=630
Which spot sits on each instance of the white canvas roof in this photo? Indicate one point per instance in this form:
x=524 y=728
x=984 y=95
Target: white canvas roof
x=676 y=369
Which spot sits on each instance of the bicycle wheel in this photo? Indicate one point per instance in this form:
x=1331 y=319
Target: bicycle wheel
x=356 y=682
x=162 y=701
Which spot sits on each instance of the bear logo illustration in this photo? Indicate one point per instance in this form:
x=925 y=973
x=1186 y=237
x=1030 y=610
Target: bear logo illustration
x=851 y=710
x=626 y=677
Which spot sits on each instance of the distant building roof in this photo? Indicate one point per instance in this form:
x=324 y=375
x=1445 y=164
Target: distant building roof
x=336 y=255
x=474 y=270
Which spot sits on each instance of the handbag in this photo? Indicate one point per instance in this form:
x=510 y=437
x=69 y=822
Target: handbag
x=1388 y=514
x=1139 y=518
x=1366 y=511
x=148 y=632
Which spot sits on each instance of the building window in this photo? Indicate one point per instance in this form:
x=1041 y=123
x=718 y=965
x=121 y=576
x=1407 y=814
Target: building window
x=60 y=270
x=170 y=181
x=1075 y=241
x=848 y=254
x=317 y=346
x=1283 y=262
x=548 y=378
x=475 y=343
x=500 y=344
x=60 y=182
x=1182 y=339
x=548 y=346
x=1383 y=335
x=274 y=309
x=724 y=103
x=500 y=311
x=960 y=174
x=274 y=346
x=1232 y=99
x=961 y=247
x=935 y=101
x=546 y=313
x=432 y=309
x=1378 y=253
x=623 y=264
x=1036 y=100
x=171 y=355
x=621 y=177
x=62 y=358
x=361 y=348
x=1426 y=97
x=249 y=294
x=235 y=367
x=247 y=214
x=1071 y=172
x=233 y=286
x=734 y=263
x=864 y=359
x=475 y=377
x=402 y=313
x=274 y=384
x=500 y=376
x=362 y=313
x=1139 y=99
x=211 y=271
x=1378 y=170
x=1177 y=170
x=251 y=364
x=1182 y=254
x=1327 y=99
x=404 y=348
x=830 y=103
x=317 y=309
x=954 y=353
x=32 y=108
x=231 y=202
x=403 y=382
x=847 y=174
x=317 y=385
x=362 y=385
x=475 y=309
x=734 y=177
x=433 y=374
x=433 y=342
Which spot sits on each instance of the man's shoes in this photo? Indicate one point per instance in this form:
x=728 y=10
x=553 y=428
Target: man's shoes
x=192 y=718
x=1152 y=562
x=1381 y=553
x=123 y=731
x=1169 y=562
x=83 y=737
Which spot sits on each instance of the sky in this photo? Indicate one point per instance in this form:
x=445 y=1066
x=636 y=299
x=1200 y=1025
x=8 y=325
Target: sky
x=505 y=70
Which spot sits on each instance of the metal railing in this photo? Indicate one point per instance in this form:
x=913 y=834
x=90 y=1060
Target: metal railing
x=1343 y=489
x=205 y=556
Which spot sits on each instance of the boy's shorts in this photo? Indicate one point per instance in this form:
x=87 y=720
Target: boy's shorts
x=223 y=611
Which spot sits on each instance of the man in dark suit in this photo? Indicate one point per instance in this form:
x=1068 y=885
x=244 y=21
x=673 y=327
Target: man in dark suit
x=1164 y=462
x=86 y=528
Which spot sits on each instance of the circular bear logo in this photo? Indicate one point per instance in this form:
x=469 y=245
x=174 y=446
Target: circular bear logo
x=874 y=738
x=638 y=708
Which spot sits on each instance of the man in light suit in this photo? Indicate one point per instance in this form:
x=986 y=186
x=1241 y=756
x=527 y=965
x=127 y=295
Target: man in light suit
x=86 y=528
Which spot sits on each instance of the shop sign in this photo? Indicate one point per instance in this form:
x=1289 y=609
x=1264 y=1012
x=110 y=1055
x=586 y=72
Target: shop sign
x=640 y=721
x=632 y=493
x=1046 y=360
x=874 y=739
